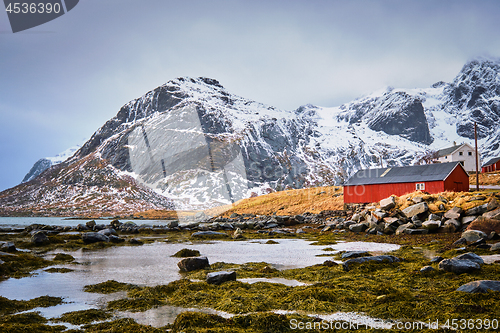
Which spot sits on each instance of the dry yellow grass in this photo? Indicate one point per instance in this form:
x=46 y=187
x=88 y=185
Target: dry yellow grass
x=490 y=178
x=291 y=202
x=455 y=199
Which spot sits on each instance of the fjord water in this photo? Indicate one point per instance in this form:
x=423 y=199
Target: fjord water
x=152 y=264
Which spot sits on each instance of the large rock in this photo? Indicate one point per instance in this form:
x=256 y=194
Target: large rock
x=478 y=210
x=495 y=247
x=380 y=259
x=208 y=234
x=388 y=203
x=481 y=286
x=492 y=205
x=8 y=246
x=221 y=277
x=458 y=266
x=416 y=209
x=409 y=231
x=454 y=224
x=484 y=224
x=472 y=236
x=193 y=263
x=354 y=254
x=470 y=256
x=39 y=238
x=494 y=214
x=358 y=227
x=94 y=237
x=401 y=229
x=454 y=213
x=431 y=225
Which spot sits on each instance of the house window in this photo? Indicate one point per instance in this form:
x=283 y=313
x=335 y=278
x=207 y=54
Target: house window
x=470 y=153
x=460 y=153
x=420 y=186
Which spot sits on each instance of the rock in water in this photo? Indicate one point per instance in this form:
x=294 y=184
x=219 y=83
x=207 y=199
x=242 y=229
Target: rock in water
x=481 y=286
x=39 y=238
x=193 y=263
x=221 y=277
x=94 y=237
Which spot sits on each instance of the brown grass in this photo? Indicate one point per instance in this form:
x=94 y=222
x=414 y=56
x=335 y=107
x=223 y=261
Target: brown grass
x=489 y=178
x=291 y=202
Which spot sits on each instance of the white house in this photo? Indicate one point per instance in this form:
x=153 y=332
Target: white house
x=463 y=153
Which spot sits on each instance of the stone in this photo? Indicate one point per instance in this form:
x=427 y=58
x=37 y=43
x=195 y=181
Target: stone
x=468 y=219
x=115 y=239
x=107 y=232
x=173 y=224
x=360 y=260
x=115 y=224
x=472 y=236
x=221 y=277
x=39 y=238
x=90 y=225
x=354 y=254
x=477 y=198
x=458 y=266
x=454 y=213
x=431 y=225
x=434 y=217
x=455 y=224
x=494 y=214
x=409 y=231
x=460 y=241
x=388 y=203
x=208 y=234
x=356 y=217
x=470 y=256
x=495 y=247
x=442 y=199
x=135 y=241
x=94 y=237
x=358 y=227
x=481 y=286
x=492 y=205
x=237 y=234
x=417 y=209
x=379 y=215
x=441 y=207
x=193 y=263
x=401 y=229
x=8 y=246
x=417 y=200
x=478 y=210
x=437 y=259
x=427 y=269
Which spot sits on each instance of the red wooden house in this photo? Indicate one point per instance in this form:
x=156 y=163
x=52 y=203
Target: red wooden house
x=491 y=165
x=373 y=185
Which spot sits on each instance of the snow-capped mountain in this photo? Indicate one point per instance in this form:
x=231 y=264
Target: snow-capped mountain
x=193 y=142
x=44 y=163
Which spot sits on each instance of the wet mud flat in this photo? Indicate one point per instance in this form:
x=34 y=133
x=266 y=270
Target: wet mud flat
x=126 y=287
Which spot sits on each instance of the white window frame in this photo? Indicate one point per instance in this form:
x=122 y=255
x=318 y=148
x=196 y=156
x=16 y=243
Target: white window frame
x=420 y=186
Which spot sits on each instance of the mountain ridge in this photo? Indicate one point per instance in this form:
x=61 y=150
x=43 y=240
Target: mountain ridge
x=192 y=131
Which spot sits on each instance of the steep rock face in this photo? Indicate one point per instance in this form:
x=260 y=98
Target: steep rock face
x=40 y=166
x=473 y=96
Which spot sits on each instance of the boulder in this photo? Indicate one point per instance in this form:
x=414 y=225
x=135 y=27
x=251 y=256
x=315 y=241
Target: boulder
x=356 y=217
x=431 y=225
x=468 y=219
x=492 y=205
x=115 y=239
x=39 y=238
x=107 y=232
x=495 y=247
x=434 y=217
x=193 y=263
x=221 y=277
x=94 y=237
x=481 y=286
x=453 y=224
x=442 y=199
x=437 y=259
x=409 y=231
x=454 y=213
x=388 y=203
x=401 y=229
x=427 y=269
x=484 y=224
x=360 y=260
x=358 y=227
x=135 y=241
x=417 y=200
x=90 y=225
x=417 y=209
x=354 y=254
x=458 y=266
x=478 y=210
x=378 y=215
x=8 y=246
x=472 y=236
x=470 y=256
x=494 y=214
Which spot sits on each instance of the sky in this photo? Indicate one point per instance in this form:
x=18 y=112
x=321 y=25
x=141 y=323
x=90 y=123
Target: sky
x=61 y=81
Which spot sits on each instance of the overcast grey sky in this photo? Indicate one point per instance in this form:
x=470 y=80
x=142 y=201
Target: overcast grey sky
x=61 y=81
